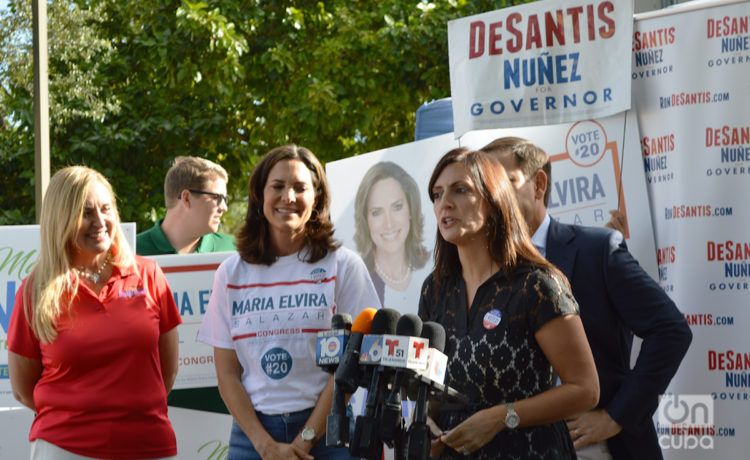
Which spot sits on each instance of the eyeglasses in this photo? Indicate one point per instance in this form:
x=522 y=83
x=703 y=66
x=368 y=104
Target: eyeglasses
x=218 y=197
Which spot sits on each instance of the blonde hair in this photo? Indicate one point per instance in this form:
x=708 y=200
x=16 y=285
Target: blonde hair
x=190 y=173
x=51 y=286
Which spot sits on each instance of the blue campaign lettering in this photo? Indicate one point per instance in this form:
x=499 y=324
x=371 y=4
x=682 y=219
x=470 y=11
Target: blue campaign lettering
x=203 y=297
x=575 y=190
x=300 y=300
x=250 y=305
x=10 y=296
x=238 y=307
x=735 y=154
x=185 y=305
x=276 y=363
x=648 y=57
x=733 y=44
x=542 y=70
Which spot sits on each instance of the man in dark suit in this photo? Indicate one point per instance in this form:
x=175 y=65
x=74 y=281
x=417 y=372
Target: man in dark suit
x=617 y=299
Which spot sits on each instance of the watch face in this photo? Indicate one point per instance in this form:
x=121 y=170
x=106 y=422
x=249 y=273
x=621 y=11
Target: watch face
x=512 y=420
x=308 y=434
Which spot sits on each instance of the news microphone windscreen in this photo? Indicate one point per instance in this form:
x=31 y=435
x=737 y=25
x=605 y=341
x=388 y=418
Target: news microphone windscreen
x=384 y=322
x=341 y=321
x=363 y=322
x=435 y=333
x=409 y=325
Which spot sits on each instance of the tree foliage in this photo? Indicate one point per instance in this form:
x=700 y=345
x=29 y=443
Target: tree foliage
x=134 y=84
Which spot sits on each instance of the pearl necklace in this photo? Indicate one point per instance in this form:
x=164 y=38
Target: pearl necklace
x=96 y=276
x=396 y=282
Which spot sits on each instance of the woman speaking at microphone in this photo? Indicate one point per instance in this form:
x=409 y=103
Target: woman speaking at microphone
x=510 y=319
x=93 y=338
x=268 y=302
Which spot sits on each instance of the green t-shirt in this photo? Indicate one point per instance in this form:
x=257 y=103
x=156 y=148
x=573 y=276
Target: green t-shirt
x=154 y=242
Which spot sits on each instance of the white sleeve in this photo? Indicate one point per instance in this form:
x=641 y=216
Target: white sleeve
x=215 y=329
x=354 y=288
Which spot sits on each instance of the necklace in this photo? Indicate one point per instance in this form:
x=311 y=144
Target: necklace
x=96 y=276
x=397 y=282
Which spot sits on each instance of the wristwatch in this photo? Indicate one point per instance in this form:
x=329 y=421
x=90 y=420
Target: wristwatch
x=308 y=434
x=512 y=420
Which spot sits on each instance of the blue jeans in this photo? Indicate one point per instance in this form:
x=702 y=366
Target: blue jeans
x=282 y=428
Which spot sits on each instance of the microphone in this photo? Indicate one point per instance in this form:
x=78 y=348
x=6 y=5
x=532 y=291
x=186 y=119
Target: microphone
x=437 y=361
x=418 y=437
x=407 y=326
x=346 y=377
x=331 y=344
x=366 y=441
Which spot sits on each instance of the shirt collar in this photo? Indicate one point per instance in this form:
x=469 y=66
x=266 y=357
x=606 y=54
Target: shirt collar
x=539 y=239
x=160 y=239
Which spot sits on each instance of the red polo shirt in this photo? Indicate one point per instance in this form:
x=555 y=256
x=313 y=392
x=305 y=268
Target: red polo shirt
x=101 y=393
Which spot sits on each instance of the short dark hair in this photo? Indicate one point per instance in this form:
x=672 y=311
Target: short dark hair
x=253 y=237
x=509 y=242
x=530 y=157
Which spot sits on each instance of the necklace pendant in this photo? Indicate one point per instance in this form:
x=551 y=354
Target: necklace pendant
x=94 y=277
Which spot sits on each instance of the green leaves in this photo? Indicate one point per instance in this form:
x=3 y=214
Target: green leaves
x=134 y=84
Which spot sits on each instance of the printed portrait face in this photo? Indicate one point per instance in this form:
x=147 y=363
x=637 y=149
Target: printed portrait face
x=388 y=216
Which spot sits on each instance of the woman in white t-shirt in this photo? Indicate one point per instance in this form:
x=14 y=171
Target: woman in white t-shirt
x=268 y=302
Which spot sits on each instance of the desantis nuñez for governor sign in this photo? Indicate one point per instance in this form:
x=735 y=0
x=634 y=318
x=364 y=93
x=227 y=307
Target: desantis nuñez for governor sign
x=546 y=62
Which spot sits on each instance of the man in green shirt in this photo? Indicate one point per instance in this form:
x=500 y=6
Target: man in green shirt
x=195 y=193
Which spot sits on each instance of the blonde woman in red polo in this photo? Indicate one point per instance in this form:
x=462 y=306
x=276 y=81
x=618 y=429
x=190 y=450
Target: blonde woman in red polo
x=92 y=338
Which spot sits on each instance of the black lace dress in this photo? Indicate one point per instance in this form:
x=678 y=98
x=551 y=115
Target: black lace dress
x=494 y=358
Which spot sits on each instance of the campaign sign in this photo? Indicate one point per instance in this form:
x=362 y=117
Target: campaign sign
x=540 y=63
x=190 y=277
x=587 y=179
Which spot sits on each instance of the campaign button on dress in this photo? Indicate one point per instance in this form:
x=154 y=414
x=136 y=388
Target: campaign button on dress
x=492 y=318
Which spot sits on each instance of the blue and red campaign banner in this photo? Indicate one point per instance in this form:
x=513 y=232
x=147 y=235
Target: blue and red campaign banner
x=541 y=63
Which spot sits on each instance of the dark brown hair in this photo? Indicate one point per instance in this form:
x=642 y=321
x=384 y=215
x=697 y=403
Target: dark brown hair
x=509 y=243
x=253 y=238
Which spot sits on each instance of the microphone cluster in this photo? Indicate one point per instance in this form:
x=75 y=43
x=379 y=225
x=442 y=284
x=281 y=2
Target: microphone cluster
x=388 y=354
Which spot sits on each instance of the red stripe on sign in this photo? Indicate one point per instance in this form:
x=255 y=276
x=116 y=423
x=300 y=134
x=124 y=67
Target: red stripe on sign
x=314 y=331
x=190 y=268
x=280 y=283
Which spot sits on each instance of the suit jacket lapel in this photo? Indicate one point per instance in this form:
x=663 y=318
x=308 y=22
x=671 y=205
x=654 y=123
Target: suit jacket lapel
x=560 y=251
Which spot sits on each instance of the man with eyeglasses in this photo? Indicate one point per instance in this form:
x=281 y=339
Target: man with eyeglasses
x=617 y=299
x=195 y=193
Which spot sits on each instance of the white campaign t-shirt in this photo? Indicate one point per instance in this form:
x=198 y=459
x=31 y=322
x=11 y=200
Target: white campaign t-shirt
x=271 y=316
